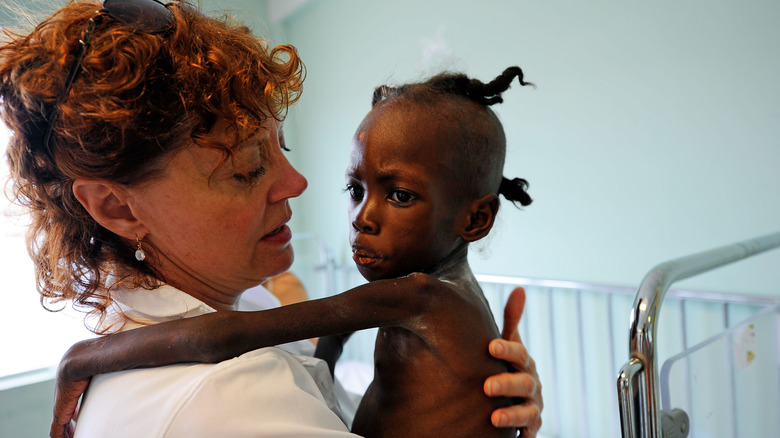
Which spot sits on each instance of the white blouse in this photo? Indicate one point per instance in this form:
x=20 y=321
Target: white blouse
x=269 y=392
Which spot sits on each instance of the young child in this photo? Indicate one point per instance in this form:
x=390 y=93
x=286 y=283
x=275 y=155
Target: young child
x=425 y=171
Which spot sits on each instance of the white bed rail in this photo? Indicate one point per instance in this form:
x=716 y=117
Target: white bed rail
x=637 y=383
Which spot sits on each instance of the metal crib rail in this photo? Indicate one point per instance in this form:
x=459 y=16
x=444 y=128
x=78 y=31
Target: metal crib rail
x=639 y=376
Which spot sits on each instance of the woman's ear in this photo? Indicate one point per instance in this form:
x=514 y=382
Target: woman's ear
x=108 y=204
x=481 y=216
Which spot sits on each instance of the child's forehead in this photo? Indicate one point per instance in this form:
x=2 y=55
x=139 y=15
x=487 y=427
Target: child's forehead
x=399 y=161
x=406 y=136
x=398 y=124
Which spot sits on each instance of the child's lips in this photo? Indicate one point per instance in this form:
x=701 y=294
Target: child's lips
x=365 y=256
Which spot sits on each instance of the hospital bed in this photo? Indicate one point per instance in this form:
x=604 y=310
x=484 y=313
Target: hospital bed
x=726 y=386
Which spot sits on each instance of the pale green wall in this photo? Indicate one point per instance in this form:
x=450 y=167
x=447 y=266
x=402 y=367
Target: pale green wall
x=653 y=132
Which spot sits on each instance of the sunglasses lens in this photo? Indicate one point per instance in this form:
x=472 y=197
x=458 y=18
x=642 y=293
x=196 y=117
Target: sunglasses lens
x=148 y=16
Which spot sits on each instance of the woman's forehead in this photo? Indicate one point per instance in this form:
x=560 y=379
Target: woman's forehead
x=225 y=146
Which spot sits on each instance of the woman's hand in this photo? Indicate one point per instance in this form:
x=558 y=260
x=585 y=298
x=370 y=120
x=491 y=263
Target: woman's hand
x=524 y=384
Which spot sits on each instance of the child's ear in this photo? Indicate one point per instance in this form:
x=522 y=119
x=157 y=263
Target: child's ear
x=109 y=205
x=481 y=216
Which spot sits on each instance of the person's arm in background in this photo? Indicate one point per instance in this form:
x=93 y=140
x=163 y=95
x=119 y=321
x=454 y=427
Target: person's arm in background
x=287 y=287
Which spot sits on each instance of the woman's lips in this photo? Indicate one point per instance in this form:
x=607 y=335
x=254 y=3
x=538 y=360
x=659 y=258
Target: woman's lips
x=280 y=235
x=364 y=256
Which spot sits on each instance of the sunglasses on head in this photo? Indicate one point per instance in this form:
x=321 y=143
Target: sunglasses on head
x=148 y=16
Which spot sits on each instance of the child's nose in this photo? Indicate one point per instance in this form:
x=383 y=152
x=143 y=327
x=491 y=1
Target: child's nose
x=364 y=221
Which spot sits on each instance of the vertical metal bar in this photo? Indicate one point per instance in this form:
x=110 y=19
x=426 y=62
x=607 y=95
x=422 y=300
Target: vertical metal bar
x=611 y=343
x=688 y=374
x=525 y=321
x=683 y=325
x=503 y=296
x=629 y=423
x=731 y=385
x=583 y=363
x=777 y=349
x=554 y=358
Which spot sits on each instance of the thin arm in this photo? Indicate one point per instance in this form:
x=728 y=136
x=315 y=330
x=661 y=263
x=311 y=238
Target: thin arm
x=222 y=335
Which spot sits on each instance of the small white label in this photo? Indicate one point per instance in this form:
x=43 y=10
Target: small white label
x=745 y=347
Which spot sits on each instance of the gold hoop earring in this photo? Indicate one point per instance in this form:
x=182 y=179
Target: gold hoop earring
x=140 y=255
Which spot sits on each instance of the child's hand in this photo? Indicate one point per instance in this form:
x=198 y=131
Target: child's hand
x=66 y=399
x=524 y=384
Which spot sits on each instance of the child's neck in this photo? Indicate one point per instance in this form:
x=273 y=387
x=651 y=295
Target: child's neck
x=455 y=267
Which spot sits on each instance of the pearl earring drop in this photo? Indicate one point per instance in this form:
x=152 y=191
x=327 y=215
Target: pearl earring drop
x=140 y=255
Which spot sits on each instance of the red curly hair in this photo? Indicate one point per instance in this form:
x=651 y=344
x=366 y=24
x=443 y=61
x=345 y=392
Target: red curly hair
x=139 y=98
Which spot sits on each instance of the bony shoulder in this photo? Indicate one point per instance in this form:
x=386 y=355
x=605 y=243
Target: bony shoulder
x=423 y=281
x=430 y=286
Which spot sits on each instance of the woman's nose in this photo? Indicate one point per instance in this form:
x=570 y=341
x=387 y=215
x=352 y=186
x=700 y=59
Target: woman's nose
x=290 y=183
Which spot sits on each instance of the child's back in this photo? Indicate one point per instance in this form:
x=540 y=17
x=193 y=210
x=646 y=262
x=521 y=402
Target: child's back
x=427 y=374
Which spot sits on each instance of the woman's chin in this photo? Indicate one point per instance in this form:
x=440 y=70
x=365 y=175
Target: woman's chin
x=281 y=263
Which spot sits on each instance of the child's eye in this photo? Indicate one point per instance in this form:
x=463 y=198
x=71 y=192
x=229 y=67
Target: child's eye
x=250 y=178
x=355 y=192
x=401 y=196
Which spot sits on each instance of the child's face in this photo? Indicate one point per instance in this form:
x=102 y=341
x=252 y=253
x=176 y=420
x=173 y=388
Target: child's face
x=404 y=206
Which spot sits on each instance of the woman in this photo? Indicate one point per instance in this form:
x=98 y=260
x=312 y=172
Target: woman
x=148 y=148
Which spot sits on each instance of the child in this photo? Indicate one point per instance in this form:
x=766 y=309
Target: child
x=423 y=178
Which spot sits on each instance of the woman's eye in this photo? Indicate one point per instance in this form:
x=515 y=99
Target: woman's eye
x=401 y=196
x=355 y=192
x=250 y=178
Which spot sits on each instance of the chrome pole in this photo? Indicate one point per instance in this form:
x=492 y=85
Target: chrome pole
x=643 y=323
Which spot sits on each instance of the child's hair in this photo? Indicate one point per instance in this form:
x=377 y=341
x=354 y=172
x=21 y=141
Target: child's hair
x=483 y=148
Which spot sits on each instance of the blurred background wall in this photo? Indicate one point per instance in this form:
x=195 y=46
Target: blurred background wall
x=653 y=132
